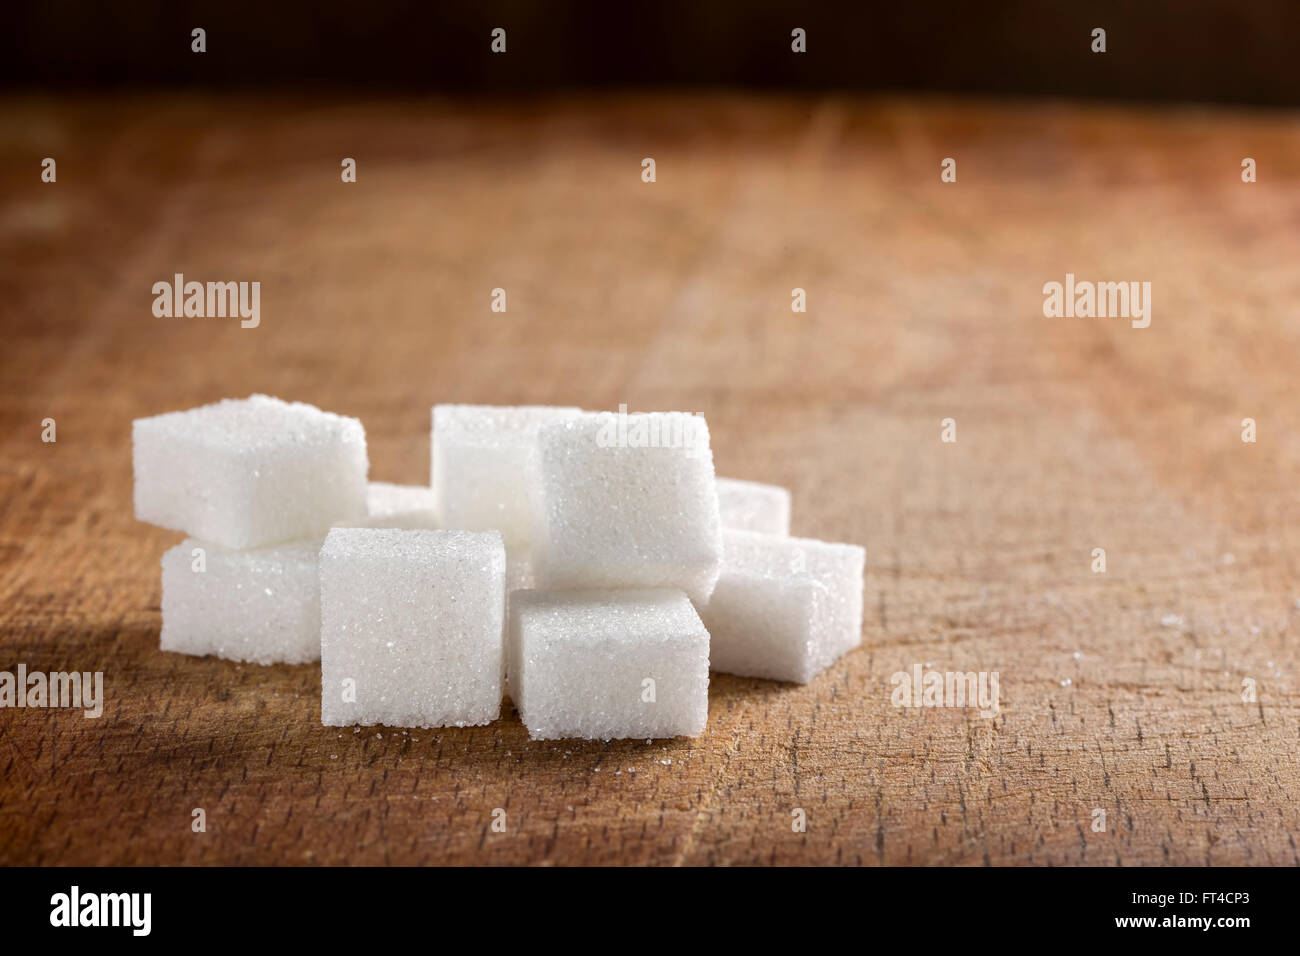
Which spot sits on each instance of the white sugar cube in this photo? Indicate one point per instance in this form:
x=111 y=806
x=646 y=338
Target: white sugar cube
x=411 y=627
x=407 y=507
x=244 y=473
x=752 y=506
x=606 y=664
x=784 y=608
x=261 y=606
x=627 y=501
x=482 y=464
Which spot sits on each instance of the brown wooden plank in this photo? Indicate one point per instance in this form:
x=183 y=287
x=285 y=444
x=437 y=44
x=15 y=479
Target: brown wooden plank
x=925 y=302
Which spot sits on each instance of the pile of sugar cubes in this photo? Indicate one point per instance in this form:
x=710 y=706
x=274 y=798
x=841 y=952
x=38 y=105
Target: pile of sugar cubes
x=590 y=561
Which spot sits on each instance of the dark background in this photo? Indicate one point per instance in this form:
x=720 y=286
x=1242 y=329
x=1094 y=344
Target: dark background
x=1230 y=51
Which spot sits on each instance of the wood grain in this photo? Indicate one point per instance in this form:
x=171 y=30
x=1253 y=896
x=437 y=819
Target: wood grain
x=1120 y=691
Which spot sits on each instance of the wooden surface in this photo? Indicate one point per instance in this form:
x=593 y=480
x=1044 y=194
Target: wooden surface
x=1119 y=691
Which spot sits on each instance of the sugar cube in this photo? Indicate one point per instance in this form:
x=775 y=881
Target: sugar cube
x=482 y=465
x=261 y=606
x=396 y=506
x=606 y=664
x=244 y=473
x=627 y=501
x=784 y=608
x=411 y=627
x=752 y=506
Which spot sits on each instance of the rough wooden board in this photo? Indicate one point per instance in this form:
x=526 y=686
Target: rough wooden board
x=925 y=302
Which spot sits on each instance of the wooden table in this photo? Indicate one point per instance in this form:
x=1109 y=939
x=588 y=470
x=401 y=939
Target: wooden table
x=1120 y=691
